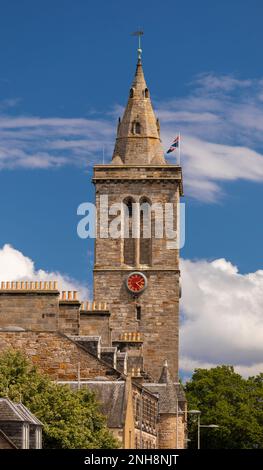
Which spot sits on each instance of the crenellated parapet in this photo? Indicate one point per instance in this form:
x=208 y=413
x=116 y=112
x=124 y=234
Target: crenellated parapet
x=28 y=286
x=69 y=296
x=88 y=306
x=134 y=337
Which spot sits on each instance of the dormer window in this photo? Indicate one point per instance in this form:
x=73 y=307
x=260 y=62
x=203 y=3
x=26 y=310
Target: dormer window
x=136 y=127
x=146 y=93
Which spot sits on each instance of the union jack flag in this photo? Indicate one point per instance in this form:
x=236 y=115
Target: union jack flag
x=174 y=145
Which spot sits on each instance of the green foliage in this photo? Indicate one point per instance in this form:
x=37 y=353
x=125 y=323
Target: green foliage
x=227 y=399
x=71 y=418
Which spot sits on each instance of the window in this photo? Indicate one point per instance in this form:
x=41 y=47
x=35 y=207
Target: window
x=131 y=92
x=146 y=93
x=138 y=312
x=145 y=232
x=137 y=128
x=129 y=242
x=129 y=207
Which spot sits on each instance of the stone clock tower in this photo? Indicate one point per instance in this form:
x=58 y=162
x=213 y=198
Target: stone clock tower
x=138 y=276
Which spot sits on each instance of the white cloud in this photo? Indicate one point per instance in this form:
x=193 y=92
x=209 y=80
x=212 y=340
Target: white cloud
x=207 y=164
x=220 y=120
x=15 y=266
x=211 y=82
x=222 y=316
x=221 y=123
x=35 y=142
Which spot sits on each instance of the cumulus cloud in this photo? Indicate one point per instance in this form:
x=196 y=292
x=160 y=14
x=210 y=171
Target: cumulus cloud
x=15 y=266
x=222 y=320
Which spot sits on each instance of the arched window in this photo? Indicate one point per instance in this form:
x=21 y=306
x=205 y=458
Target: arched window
x=146 y=93
x=137 y=128
x=131 y=92
x=129 y=207
x=129 y=241
x=145 y=232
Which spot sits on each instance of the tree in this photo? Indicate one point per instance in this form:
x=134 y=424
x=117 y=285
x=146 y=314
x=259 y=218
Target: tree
x=71 y=418
x=232 y=402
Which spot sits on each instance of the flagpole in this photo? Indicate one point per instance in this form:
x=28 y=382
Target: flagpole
x=179 y=148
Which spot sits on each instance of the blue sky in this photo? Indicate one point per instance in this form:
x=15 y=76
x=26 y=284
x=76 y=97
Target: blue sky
x=66 y=68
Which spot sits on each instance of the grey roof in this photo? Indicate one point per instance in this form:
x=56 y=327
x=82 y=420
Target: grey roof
x=170 y=394
x=167 y=396
x=111 y=396
x=10 y=411
x=28 y=415
x=165 y=376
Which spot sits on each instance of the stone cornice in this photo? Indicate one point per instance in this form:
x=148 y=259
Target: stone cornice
x=140 y=268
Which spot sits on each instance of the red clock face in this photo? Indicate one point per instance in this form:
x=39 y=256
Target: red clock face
x=136 y=282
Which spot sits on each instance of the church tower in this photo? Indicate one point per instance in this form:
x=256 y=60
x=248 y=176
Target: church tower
x=138 y=275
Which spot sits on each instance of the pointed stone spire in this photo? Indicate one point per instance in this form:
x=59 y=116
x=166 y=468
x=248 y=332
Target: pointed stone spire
x=165 y=377
x=138 y=135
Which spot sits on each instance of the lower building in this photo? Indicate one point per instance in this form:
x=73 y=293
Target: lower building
x=19 y=428
x=71 y=342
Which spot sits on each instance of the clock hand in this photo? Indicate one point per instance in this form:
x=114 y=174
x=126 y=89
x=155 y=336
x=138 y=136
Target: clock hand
x=139 y=283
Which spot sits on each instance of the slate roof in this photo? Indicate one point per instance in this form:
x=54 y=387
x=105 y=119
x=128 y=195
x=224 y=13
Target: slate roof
x=28 y=415
x=169 y=392
x=111 y=395
x=10 y=411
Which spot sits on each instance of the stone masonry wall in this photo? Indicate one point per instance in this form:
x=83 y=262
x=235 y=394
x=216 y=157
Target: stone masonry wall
x=69 y=318
x=159 y=322
x=96 y=324
x=55 y=355
x=29 y=310
x=167 y=432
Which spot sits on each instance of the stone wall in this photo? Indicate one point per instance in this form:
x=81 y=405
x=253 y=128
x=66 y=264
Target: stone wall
x=69 y=318
x=159 y=324
x=96 y=323
x=32 y=310
x=56 y=355
x=167 y=436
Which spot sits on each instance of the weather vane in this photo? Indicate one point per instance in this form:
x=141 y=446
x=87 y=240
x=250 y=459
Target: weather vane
x=139 y=34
